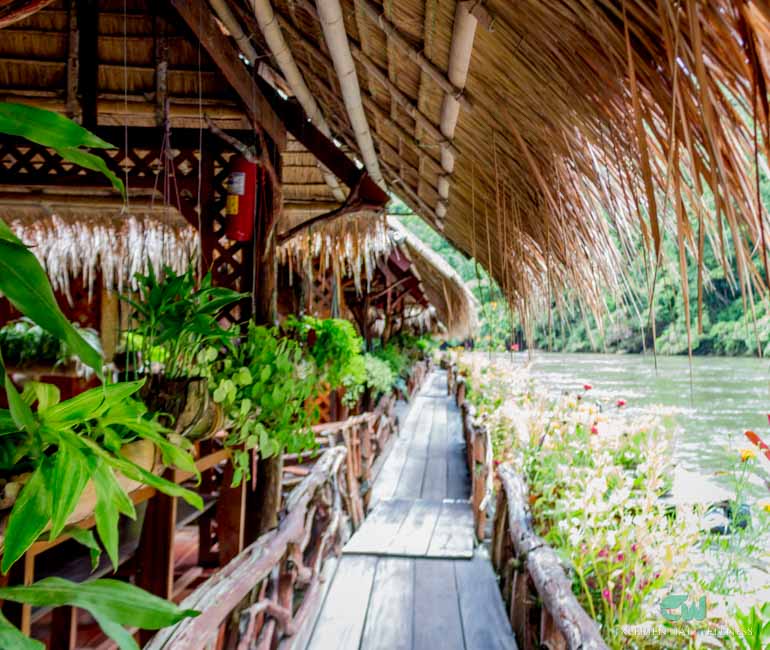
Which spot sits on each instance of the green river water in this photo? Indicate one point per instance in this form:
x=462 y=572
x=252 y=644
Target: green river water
x=727 y=396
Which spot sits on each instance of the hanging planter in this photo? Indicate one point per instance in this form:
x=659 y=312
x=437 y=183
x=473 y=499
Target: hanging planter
x=184 y=405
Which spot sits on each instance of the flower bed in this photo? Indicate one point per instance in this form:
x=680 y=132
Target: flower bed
x=595 y=478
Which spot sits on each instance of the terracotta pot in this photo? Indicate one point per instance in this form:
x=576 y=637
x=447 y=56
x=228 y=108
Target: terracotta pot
x=183 y=405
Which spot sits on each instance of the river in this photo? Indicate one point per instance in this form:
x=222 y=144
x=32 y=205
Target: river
x=727 y=396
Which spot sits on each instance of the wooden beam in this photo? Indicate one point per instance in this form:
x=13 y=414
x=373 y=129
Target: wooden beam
x=161 y=70
x=378 y=17
x=329 y=154
x=15 y=10
x=197 y=15
x=72 y=104
x=368 y=100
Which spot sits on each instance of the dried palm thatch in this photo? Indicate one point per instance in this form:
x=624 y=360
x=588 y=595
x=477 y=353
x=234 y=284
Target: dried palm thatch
x=351 y=247
x=456 y=307
x=587 y=123
x=99 y=241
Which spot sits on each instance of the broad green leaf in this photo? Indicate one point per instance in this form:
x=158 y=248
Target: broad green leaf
x=21 y=413
x=67 y=481
x=117 y=633
x=24 y=282
x=93 y=162
x=29 y=517
x=92 y=403
x=46 y=395
x=113 y=600
x=46 y=127
x=172 y=454
x=12 y=638
x=109 y=502
x=86 y=537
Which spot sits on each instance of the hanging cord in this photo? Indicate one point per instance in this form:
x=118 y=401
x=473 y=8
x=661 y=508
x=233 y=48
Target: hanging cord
x=198 y=206
x=127 y=205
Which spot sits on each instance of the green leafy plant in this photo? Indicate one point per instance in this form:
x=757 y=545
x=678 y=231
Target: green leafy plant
x=174 y=320
x=752 y=628
x=263 y=385
x=63 y=445
x=112 y=603
x=332 y=343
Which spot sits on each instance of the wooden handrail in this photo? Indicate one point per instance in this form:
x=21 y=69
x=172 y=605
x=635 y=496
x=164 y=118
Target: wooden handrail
x=532 y=577
x=534 y=565
x=278 y=552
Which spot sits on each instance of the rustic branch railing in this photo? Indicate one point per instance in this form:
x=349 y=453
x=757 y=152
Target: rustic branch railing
x=478 y=449
x=250 y=603
x=543 y=610
x=262 y=599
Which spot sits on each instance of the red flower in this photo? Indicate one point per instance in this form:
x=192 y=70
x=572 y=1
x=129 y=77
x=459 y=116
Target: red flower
x=620 y=403
x=621 y=556
x=589 y=387
x=594 y=430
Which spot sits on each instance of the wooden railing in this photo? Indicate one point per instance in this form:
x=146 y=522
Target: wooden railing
x=267 y=596
x=250 y=602
x=478 y=449
x=543 y=610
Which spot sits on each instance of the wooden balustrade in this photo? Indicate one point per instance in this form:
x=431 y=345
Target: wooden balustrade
x=543 y=610
x=250 y=603
x=478 y=449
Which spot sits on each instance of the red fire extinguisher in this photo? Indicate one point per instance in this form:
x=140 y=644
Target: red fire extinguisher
x=241 y=199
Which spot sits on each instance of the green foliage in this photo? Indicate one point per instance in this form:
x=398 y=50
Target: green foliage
x=113 y=603
x=332 y=343
x=367 y=372
x=64 y=445
x=23 y=342
x=752 y=628
x=263 y=385
x=24 y=282
x=57 y=132
x=174 y=320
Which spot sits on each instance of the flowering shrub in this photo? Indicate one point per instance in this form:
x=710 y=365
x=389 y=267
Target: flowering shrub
x=595 y=478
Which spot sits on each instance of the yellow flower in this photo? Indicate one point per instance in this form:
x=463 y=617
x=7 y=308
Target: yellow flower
x=764 y=504
x=747 y=454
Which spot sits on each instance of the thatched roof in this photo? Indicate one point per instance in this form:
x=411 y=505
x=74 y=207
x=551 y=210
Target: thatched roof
x=456 y=306
x=574 y=110
x=99 y=240
x=536 y=134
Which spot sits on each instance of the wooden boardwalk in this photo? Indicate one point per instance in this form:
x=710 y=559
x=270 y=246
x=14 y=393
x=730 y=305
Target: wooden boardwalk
x=410 y=578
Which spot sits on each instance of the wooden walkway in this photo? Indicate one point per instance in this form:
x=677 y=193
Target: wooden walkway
x=410 y=578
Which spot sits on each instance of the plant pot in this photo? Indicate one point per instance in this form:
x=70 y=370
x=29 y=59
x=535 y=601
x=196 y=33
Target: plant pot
x=141 y=452
x=183 y=405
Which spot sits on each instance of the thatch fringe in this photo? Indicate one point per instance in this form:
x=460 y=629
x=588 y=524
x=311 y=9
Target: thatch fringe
x=101 y=242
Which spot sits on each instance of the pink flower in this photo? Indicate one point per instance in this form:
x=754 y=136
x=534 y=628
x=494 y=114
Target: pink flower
x=594 y=430
x=634 y=547
x=620 y=403
x=621 y=557
x=606 y=594
x=589 y=387
x=604 y=552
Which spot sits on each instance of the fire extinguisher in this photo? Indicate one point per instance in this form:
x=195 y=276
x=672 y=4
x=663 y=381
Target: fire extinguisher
x=241 y=199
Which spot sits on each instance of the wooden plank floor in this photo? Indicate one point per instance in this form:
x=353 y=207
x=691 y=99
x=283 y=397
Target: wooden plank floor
x=409 y=578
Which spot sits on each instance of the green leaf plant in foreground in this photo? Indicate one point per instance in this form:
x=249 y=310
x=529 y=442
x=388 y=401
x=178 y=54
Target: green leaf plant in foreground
x=114 y=604
x=55 y=131
x=66 y=444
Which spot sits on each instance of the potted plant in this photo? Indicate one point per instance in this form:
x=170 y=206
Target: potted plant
x=174 y=334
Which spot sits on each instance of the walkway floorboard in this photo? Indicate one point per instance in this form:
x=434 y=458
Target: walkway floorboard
x=409 y=578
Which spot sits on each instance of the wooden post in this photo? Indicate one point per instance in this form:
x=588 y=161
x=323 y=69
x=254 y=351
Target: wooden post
x=231 y=515
x=265 y=500
x=155 y=555
x=64 y=629
x=88 y=59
